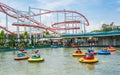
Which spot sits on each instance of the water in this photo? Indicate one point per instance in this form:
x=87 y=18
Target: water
x=59 y=61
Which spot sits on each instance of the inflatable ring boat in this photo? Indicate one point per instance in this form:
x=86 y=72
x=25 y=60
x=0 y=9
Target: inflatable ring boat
x=35 y=59
x=78 y=54
x=104 y=52
x=88 y=60
x=21 y=58
x=112 y=49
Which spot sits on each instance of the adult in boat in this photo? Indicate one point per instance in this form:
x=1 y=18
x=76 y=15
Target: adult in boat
x=36 y=54
x=36 y=57
x=88 y=58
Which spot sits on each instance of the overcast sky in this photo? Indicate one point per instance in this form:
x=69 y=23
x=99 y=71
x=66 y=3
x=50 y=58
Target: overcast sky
x=96 y=11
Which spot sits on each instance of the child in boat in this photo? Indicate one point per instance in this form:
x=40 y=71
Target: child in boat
x=21 y=49
x=110 y=46
x=89 y=55
x=78 y=50
x=37 y=53
x=20 y=54
x=105 y=50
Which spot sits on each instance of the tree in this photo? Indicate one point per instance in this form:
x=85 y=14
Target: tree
x=111 y=24
x=96 y=31
x=107 y=27
x=2 y=36
x=25 y=34
x=47 y=32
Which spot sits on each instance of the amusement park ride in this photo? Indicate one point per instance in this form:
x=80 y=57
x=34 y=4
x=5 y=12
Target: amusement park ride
x=39 y=20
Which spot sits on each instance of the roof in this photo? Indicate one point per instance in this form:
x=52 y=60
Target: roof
x=110 y=33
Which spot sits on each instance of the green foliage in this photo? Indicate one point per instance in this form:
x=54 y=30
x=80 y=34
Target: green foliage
x=2 y=36
x=107 y=27
x=96 y=31
x=25 y=34
x=47 y=33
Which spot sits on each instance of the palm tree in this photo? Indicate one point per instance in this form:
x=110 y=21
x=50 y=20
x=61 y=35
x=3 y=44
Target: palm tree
x=47 y=32
x=25 y=34
x=2 y=36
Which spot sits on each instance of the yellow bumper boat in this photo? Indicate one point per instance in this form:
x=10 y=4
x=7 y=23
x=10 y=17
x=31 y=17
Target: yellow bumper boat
x=78 y=54
x=31 y=59
x=112 y=49
x=88 y=60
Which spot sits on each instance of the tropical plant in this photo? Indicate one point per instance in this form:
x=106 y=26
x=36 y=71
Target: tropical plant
x=25 y=33
x=96 y=31
x=2 y=37
x=47 y=32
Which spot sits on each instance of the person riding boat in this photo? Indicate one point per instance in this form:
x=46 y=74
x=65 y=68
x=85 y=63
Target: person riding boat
x=20 y=54
x=36 y=54
x=22 y=49
x=78 y=50
x=89 y=55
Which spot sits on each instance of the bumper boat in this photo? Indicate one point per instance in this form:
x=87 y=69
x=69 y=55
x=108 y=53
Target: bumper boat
x=104 y=52
x=78 y=53
x=85 y=60
x=112 y=49
x=21 y=56
x=35 y=59
x=88 y=58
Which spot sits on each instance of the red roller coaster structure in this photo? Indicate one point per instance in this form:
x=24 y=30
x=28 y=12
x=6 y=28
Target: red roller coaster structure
x=72 y=19
x=7 y=30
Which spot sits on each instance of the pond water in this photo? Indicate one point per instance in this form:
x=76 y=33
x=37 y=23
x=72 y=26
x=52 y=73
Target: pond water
x=59 y=61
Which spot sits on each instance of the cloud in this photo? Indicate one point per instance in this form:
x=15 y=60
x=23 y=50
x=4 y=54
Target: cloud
x=94 y=25
x=55 y=4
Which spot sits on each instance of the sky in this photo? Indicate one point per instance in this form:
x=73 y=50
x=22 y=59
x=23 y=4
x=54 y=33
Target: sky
x=96 y=11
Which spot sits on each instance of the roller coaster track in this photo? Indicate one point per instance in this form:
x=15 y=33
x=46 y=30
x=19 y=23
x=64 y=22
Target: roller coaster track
x=87 y=22
x=7 y=30
x=17 y=14
x=65 y=22
x=6 y=9
x=54 y=26
x=12 y=33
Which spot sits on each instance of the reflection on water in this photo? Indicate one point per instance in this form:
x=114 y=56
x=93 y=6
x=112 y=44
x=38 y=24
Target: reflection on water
x=90 y=66
x=59 y=61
